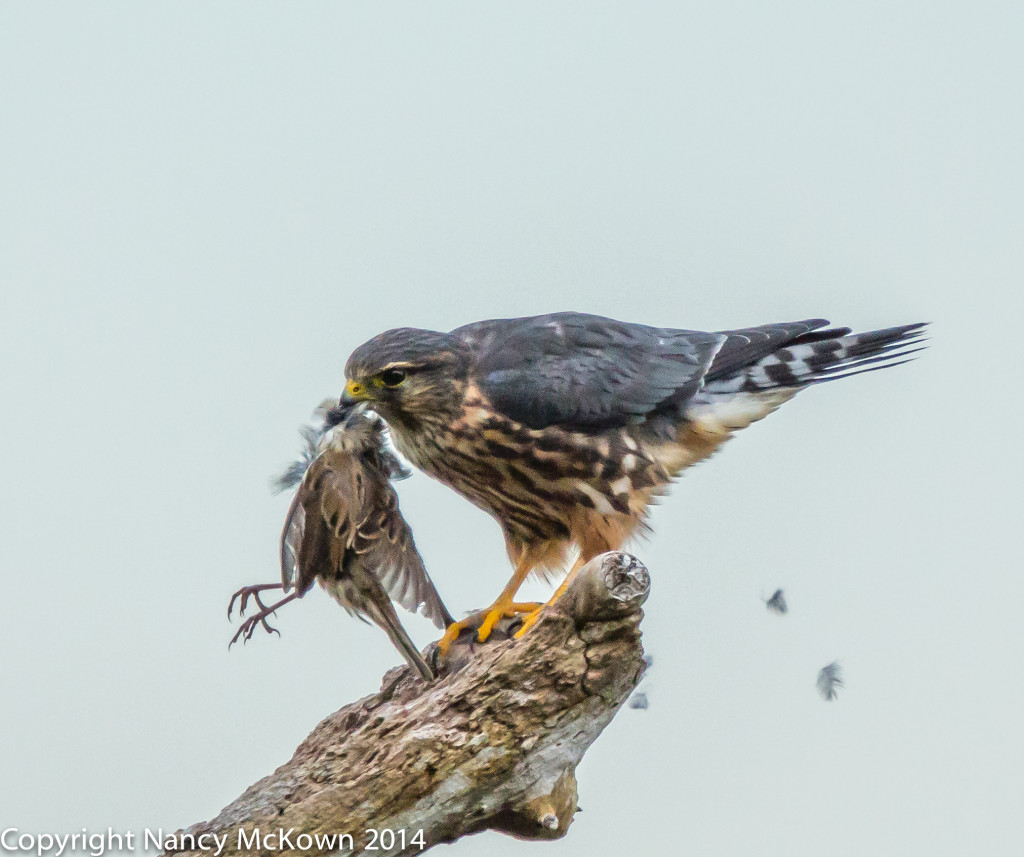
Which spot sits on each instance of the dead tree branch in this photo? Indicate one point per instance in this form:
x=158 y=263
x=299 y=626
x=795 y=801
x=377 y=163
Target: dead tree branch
x=492 y=744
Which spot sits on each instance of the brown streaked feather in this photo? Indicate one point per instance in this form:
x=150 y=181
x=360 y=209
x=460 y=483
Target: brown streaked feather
x=291 y=540
x=345 y=519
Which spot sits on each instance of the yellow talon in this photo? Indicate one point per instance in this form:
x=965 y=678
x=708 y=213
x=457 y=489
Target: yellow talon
x=484 y=621
x=529 y=622
x=535 y=615
x=499 y=611
x=451 y=634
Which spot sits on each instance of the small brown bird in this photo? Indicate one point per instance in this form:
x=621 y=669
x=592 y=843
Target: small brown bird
x=345 y=530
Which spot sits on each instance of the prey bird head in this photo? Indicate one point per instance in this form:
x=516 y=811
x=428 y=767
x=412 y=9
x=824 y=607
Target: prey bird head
x=408 y=375
x=347 y=427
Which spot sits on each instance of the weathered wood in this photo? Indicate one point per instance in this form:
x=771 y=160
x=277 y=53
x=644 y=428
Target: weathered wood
x=492 y=744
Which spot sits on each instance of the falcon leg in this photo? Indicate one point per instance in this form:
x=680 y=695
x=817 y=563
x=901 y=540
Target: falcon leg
x=504 y=605
x=533 y=618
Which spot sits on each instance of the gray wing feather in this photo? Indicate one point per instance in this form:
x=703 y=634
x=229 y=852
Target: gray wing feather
x=749 y=344
x=584 y=371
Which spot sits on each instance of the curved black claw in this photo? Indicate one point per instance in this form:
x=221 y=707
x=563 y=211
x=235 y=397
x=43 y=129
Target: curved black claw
x=251 y=623
x=247 y=592
x=249 y=626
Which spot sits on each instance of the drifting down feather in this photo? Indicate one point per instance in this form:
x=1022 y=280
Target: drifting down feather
x=830 y=679
x=777 y=602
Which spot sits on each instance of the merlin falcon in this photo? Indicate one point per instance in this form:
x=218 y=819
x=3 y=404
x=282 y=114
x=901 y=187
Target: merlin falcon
x=565 y=427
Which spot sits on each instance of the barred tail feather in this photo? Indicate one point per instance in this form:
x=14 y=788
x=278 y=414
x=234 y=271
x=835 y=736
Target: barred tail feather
x=750 y=392
x=803 y=362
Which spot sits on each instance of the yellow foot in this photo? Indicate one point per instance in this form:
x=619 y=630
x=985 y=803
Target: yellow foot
x=484 y=621
x=535 y=615
x=451 y=634
x=499 y=611
x=531 y=620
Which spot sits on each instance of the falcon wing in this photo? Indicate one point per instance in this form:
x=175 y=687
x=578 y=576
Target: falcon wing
x=750 y=344
x=586 y=372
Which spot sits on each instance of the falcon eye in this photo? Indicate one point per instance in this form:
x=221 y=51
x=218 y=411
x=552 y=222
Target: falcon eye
x=392 y=377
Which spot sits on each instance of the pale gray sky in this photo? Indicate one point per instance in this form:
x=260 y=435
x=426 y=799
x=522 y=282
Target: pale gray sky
x=205 y=207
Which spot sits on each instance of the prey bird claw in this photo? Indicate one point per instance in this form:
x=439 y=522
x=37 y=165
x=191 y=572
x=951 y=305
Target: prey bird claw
x=251 y=623
x=248 y=628
x=247 y=592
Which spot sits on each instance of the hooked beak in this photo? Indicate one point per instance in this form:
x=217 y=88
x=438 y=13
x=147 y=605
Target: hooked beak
x=355 y=392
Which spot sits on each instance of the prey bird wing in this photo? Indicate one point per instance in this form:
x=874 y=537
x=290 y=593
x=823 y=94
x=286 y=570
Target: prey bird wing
x=347 y=503
x=292 y=576
x=397 y=564
x=364 y=515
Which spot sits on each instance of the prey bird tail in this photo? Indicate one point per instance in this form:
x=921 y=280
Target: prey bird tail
x=384 y=615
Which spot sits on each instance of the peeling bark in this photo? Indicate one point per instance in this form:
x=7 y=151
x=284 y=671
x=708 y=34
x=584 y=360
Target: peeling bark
x=492 y=744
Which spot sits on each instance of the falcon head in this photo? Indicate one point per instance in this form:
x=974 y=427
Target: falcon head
x=408 y=375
